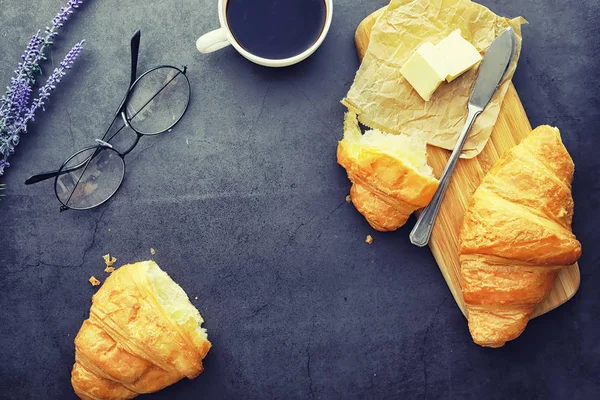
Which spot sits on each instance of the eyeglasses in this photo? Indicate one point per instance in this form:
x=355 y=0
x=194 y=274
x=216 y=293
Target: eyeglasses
x=154 y=103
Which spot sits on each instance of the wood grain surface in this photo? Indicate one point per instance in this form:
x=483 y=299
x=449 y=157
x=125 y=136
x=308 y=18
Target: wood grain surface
x=512 y=126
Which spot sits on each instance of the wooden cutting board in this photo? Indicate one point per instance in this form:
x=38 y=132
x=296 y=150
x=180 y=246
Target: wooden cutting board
x=511 y=127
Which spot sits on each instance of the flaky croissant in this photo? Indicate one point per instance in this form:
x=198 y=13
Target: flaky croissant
x=389 y=174
x=516 y=236
x=142 y=335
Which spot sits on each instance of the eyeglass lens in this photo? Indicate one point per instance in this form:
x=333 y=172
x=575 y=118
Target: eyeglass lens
x=158 y=100
x=89 y=178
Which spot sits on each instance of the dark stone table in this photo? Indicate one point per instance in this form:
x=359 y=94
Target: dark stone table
x=245 y=206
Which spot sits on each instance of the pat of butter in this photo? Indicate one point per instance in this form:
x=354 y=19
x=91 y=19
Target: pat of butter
x=459 y=54
x=425 y=70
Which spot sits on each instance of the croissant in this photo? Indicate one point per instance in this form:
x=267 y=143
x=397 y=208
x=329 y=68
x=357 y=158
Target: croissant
x=516 y=236
x=143 y=334
x=389 y=174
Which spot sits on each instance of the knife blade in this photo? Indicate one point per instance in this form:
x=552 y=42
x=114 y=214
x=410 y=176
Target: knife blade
x=493 y=68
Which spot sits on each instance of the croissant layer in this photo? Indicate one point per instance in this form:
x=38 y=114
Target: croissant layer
x=142 y=335
x=516 y=236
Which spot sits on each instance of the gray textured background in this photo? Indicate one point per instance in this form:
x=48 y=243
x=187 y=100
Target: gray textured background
x=244 y=204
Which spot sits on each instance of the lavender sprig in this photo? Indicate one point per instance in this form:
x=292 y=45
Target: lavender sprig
x=51 y=83
x=14 y=131
x=15 y=108
x=17 y=95
x=65 y=12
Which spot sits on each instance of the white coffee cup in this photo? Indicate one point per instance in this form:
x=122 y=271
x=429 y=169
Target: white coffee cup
x=222 y=37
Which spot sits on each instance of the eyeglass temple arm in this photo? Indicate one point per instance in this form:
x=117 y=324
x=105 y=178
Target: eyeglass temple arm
x=51 y=174
x=41 y=177
x=135 y=51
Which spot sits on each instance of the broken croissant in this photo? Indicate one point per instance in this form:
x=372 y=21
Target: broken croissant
x=389 y=173
x=516 y=236
x=143 y=334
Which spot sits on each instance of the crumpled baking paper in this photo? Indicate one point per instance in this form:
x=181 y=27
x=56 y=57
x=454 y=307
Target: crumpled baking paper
x=383 y=99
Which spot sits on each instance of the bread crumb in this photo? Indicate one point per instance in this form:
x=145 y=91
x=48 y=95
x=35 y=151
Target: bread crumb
x=348 y=199
x=109 y=229
x=152 y=251
x=196 y=298
x=94 y=281
x=369 y=239
x=108 y=260
x=109 y=270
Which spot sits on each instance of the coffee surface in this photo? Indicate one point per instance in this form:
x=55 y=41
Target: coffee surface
x=276 y=29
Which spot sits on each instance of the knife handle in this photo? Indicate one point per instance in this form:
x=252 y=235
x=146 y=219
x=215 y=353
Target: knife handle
x=421 y=232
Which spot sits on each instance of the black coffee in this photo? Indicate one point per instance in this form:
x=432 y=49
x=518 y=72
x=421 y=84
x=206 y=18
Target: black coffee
x=276 y=29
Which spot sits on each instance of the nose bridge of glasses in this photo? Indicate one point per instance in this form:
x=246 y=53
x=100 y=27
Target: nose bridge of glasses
x=120 y=135
x=128 y=150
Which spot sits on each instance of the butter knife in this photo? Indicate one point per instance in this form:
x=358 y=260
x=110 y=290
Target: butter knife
x=494 y=65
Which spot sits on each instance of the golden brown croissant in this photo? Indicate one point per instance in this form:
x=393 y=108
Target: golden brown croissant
x=143 y=334
x=389 y=173
x=516 y=236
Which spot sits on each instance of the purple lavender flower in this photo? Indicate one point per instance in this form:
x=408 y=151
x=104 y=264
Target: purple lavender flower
x=65 y=13
x=31 y=53
x=16 y=110
x=17 y=95
x=51 y=83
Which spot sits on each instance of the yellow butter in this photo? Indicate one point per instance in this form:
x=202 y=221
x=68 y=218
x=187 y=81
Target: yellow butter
x=425 y=70
x=459 y=54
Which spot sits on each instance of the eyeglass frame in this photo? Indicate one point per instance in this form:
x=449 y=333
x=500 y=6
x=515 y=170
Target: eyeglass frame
x=104 y=145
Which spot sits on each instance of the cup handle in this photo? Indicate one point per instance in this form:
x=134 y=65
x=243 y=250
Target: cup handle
x=212 y=41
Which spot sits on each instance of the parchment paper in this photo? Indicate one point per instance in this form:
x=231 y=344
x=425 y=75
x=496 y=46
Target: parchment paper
x=383 y=99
